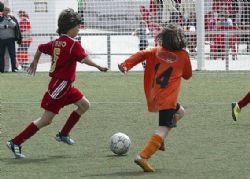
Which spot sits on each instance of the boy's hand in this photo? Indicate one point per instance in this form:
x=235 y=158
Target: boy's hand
x=122 y=68
x=32 y=69
x=103 y=69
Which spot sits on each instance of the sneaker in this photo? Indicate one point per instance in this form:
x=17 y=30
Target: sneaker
x=65 y=139
x=235 y=111
x=162 y=147
x=143 y=163
x=16 y=149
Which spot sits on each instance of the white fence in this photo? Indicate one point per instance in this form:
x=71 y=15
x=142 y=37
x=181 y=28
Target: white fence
x=217 y=31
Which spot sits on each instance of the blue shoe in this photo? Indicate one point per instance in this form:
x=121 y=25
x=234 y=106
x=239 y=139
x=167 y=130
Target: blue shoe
x=16 y=149
x=65 y=139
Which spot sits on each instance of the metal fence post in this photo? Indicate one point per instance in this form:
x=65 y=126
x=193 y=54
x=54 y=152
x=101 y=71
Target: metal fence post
x=108 y=51
x=227 y=50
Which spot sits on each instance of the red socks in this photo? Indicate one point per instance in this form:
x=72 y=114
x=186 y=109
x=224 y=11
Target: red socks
x=72 y=120
x=29 y=131
x=244 y=101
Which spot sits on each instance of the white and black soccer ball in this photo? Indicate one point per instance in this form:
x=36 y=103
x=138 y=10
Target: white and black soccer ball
x=119 y=143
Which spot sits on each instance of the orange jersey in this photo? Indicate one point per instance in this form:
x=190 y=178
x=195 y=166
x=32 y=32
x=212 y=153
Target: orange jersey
x=162 y=77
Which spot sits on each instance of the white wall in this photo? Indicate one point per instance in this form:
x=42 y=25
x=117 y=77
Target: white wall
x=42 y=22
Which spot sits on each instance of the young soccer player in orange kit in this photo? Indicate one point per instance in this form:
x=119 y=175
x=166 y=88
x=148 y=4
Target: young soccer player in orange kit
x=165 y=67
x=65 y=52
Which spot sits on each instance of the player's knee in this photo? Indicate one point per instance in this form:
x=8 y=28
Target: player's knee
x=162 y=131
x=48 y=122
x=83 y=106
x=179 y=114
x=42 y=122
x=86 y=105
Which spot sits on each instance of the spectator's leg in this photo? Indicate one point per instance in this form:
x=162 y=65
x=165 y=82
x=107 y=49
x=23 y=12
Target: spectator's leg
x=19 y=55
x=2 y=51
x=26 y=57
x=248 y=45
x=12 y=52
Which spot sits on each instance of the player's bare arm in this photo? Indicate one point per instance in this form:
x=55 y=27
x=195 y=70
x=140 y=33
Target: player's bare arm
x=91 y=63
x=33 y=66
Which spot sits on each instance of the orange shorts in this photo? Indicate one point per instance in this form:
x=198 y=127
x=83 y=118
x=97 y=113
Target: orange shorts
x=60 y=93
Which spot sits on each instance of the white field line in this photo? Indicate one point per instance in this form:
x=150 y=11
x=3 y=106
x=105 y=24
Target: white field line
x=94 y=102
x=123 y=103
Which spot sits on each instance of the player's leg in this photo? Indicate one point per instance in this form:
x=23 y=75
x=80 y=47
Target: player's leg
x=167 y=121
x=82 y=106
x=151 y=147
x=237 y=106
x=77 y=97
x=45 y=119
x=12 y=53
x=177 y=116
x=244 y=101
x=63 y=135
x=179 y=113
x=15 y=144
x=2 y=52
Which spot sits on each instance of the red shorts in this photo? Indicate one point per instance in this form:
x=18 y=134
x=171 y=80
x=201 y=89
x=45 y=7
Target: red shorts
x=60 y=93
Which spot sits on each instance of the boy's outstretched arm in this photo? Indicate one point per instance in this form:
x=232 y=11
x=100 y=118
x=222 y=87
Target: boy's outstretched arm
x=91 y=63
x=33 y=66
x=133 y=60
x=122 y=68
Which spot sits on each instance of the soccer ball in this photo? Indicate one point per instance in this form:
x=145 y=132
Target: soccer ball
x=119 y=143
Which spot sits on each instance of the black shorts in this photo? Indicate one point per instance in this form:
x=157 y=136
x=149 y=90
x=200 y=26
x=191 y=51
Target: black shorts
x=166 y=117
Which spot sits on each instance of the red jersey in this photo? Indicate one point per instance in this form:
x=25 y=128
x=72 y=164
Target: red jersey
x=65 y=52
x=162 y=76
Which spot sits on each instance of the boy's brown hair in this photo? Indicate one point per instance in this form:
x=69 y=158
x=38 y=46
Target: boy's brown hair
x=172 y=37
x=67 y=20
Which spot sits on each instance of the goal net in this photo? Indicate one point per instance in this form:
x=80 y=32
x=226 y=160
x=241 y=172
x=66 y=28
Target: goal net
x=217 y=31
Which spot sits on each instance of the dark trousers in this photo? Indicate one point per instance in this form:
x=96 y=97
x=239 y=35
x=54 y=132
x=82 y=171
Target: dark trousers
x=11 y=46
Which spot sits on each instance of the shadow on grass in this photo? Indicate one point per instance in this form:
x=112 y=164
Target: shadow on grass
x=238 y=125
x=126 y=173
x=33 y=160
x=114 y=155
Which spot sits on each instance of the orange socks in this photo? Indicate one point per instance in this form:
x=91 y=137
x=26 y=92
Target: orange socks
x=152 y=146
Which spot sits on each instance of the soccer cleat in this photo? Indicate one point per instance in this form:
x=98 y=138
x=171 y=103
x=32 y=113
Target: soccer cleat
x=235 y=111
x=162 y=147
x=143 y=163
x=65 y=139
x=16 y=149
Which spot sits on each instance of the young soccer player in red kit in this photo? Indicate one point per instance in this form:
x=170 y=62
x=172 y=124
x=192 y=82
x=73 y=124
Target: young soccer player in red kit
x=65 y=52
x=165 y=66
x=237 y=106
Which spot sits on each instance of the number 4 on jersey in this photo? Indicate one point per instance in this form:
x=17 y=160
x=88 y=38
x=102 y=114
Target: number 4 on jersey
x=163 y=78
